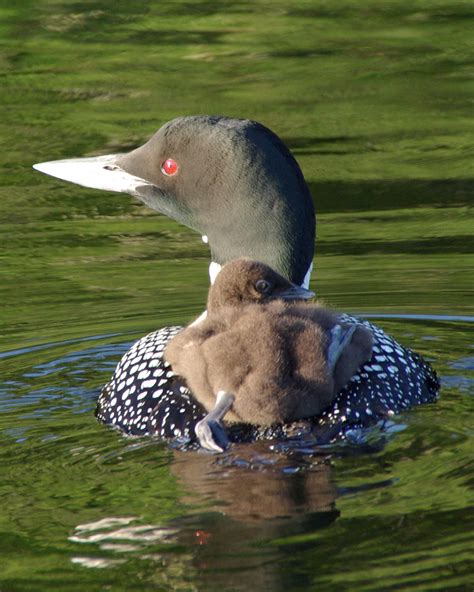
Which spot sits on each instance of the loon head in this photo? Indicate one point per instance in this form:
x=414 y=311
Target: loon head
x=244 y=281
x=232 y=180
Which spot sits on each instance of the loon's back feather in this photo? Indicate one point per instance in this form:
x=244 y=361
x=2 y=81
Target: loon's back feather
x=145 y=397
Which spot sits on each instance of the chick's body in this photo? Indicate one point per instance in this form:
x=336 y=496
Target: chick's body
x=272 y=355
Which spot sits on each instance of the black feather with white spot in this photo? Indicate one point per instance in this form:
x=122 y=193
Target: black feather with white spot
x=144 y=397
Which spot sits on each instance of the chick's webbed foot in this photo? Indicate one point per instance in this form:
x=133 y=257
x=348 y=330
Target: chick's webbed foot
x=210 y=432
x=211 y=435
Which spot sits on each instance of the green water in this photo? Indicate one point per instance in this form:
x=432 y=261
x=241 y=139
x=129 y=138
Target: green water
x=375 y=99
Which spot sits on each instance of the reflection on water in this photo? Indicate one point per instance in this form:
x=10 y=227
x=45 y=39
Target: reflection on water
x=246 y=495
x=274 y=486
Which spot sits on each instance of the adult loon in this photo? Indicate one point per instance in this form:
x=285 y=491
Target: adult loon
x=236 y=183
x=262 y=356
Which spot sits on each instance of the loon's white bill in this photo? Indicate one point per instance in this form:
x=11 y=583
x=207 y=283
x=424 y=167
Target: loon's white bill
x=97 y=172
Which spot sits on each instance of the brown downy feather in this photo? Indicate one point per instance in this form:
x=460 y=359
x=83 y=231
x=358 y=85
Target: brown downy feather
x=271 y=354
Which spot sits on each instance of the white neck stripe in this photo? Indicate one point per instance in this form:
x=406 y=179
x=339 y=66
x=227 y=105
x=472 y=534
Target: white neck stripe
x=214 y=269
x=307 y=277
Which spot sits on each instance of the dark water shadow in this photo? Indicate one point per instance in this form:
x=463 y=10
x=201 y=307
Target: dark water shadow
x=463 y=244
x=361 y=196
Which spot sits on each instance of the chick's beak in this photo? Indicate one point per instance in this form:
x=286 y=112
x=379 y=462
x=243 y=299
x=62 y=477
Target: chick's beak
x=295 y=292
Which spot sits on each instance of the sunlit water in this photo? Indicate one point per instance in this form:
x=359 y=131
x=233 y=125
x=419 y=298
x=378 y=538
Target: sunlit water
x=374 y=103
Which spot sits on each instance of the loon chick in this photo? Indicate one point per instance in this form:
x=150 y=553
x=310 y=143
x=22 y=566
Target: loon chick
x=236 y=183
x=261 y=360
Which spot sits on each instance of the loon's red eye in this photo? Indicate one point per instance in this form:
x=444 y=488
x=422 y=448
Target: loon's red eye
x=169 y=167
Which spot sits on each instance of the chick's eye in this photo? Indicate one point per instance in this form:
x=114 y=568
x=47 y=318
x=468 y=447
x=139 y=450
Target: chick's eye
x=262 y=286
x=169 y=167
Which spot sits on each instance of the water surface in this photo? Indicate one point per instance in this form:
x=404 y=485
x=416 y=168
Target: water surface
x=375 y=101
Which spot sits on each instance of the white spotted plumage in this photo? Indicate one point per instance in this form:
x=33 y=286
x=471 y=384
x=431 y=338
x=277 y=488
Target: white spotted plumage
x=159 y=403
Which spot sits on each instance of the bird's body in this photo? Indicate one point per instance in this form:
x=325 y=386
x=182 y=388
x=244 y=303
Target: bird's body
x=236 y=183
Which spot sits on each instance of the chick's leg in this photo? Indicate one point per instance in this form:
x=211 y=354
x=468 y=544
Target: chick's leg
x=340 y=339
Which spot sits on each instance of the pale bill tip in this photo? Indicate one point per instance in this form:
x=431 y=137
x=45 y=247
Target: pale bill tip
x=98 y=172
x=39 y=166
